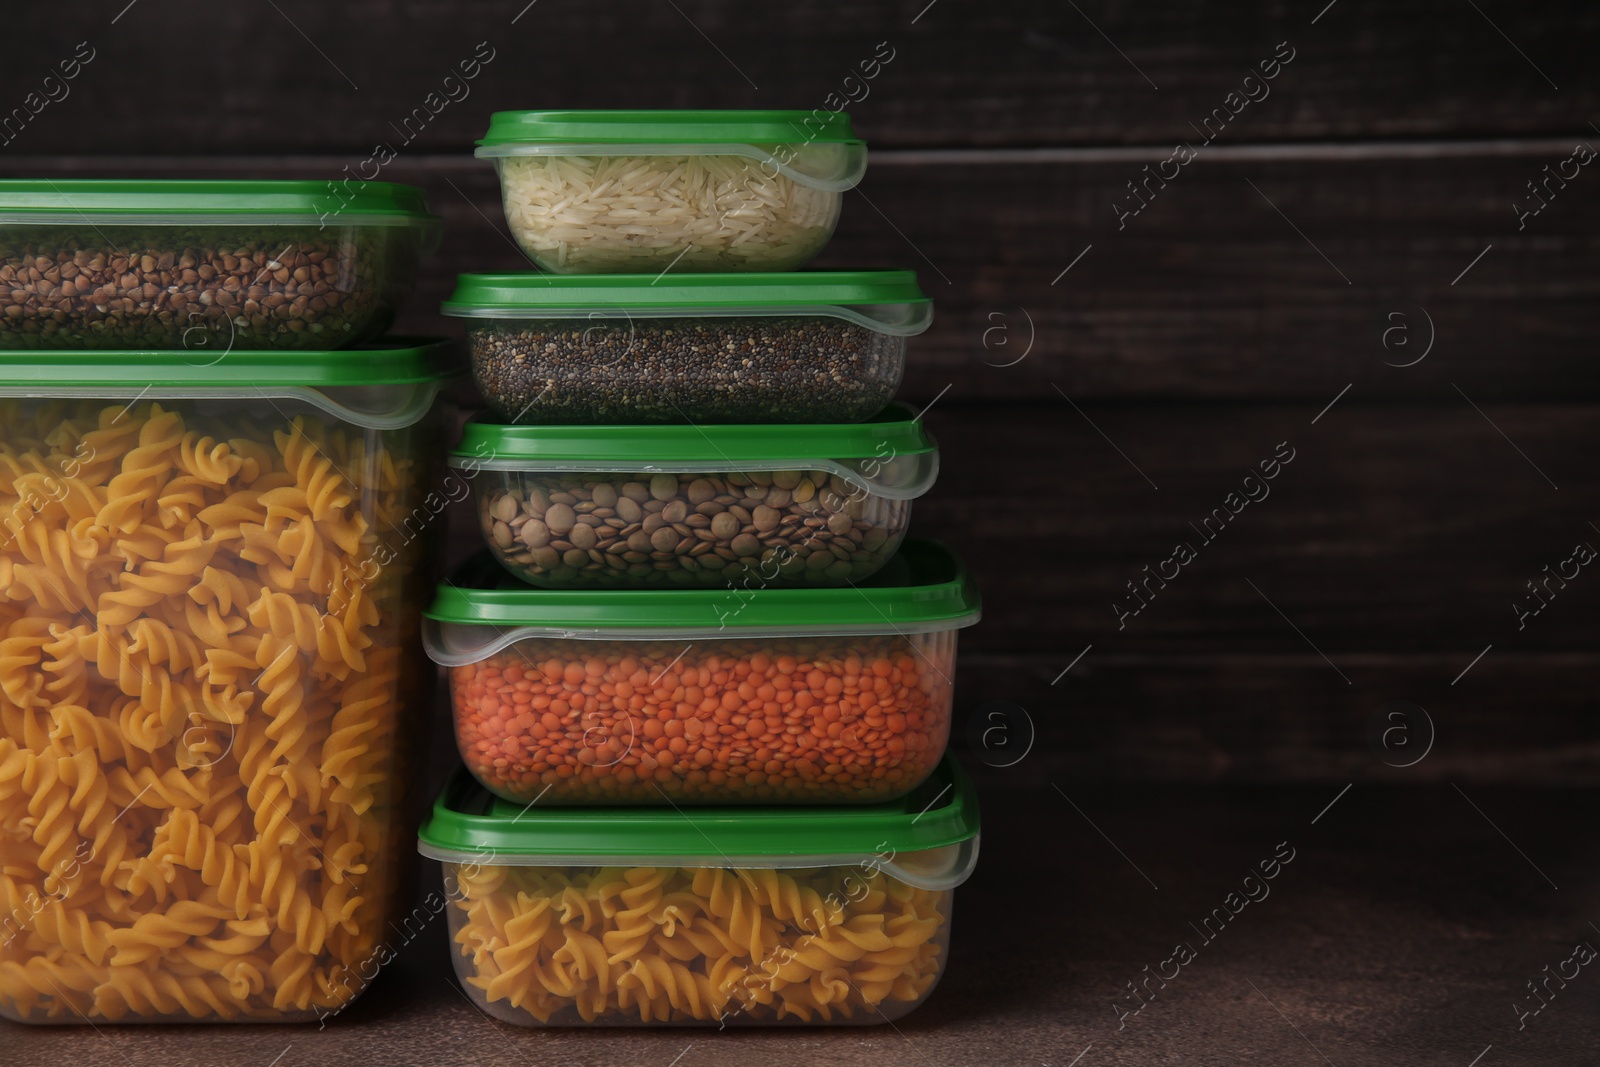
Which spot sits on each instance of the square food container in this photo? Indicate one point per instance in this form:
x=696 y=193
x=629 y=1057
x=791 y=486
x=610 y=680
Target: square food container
x=210 y=586
x=772 y=696
x=818 y=346
x=206 y=266
x=739 y=916
x=640 y=507
x=618 y=192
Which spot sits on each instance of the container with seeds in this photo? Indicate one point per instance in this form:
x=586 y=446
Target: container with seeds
x=611 y=192
x=823 y=346
x=741 y=506
x=205 y=266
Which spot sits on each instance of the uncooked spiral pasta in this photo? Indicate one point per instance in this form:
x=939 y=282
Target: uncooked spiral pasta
x=685 y=944
x=203 y=658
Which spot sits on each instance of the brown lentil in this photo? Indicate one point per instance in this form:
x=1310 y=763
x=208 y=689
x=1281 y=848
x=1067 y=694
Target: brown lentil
x=561 y=530
x=775 y=369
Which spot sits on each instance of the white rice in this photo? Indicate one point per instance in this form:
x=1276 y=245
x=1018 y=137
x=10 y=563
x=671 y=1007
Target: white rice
x=622 y=214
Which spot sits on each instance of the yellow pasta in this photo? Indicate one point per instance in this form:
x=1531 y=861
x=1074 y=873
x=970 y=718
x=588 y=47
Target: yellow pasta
x=203 y=658
x=686 y=944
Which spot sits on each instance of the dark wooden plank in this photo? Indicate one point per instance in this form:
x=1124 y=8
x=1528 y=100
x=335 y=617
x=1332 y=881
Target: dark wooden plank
x=1517 y=717
x=297 y=75
x=1395 y=528
x=1401 y=931
x=1209 y=293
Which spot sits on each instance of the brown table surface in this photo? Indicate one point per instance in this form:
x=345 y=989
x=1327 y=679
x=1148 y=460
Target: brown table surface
x=1403 y=932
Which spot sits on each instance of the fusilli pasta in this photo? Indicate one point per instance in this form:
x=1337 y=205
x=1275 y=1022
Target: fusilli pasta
x=687 y=944
x=202 y=673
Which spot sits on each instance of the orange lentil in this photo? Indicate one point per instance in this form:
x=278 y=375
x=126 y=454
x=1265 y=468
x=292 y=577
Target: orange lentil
x=779 y=720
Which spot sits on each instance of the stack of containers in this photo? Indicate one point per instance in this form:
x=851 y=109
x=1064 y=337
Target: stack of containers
x=701 y=681
x=212 y=567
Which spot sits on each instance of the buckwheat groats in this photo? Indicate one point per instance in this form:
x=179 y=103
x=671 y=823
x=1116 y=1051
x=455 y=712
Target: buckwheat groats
x=205 y=267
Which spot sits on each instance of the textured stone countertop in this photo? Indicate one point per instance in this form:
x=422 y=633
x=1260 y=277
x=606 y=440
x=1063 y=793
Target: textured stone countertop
x=1403 y=931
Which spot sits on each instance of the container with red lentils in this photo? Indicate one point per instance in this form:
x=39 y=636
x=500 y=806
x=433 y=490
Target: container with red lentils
x=767 y=695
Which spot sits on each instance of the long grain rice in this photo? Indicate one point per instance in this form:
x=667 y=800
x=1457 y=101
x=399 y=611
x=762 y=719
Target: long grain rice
x=610 y=214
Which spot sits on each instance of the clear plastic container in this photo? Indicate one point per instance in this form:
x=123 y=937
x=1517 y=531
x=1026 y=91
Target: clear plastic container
x=205 y=266
x=618 y=192
x=731 y=507
x=820 y=346
x=208 y=658
x=773 y=696
x=751 y=917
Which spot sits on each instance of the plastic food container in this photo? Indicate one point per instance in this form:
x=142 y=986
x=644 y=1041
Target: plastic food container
x=205 y=266
x=212 y=580
x=635 y=507
x=816 y=696
x=609 y=192
x=741 y=916
x=812 y=347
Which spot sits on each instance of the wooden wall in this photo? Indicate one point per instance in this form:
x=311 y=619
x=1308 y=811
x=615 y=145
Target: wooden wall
x=1102 y=380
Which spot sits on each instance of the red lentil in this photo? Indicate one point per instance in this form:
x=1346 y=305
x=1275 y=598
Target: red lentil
x=833 y=719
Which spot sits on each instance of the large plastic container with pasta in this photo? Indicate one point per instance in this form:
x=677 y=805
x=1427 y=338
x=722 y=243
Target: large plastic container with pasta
x=210 y=584
x=695 y=696
x=732 y=916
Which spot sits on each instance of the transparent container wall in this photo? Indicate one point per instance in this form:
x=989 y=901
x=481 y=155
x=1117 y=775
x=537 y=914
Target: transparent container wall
x=207 y=668
x=769 y=720
x=734 y=529
x=612 y=214
x=206 y=289
x=694 y=946
x=617 y=368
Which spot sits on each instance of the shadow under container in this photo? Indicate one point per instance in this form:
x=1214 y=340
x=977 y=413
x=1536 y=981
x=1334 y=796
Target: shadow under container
x=771 y=696
x=734 y=917
x=208 y=662
x=206 y=266
x=630 y=192
x=818 y=346
x=648 y=507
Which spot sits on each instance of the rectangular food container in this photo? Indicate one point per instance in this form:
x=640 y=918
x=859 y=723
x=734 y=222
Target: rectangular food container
x=205 y=266
x=636 y=507
x=617 y=192
x=818 y=346
x=212 y=577
x=772 y=696
x=739 y=916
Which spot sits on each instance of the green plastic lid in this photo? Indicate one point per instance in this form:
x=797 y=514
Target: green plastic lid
x=397 y=361
x=669 y=127
x=893 y=432
x=889 y=301
x=477 y=294
x=95 y=199
x=470 y=825
x=481 y=609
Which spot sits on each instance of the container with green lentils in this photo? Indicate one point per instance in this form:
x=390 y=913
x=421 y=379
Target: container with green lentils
x=809 y=347
x=735 y=506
